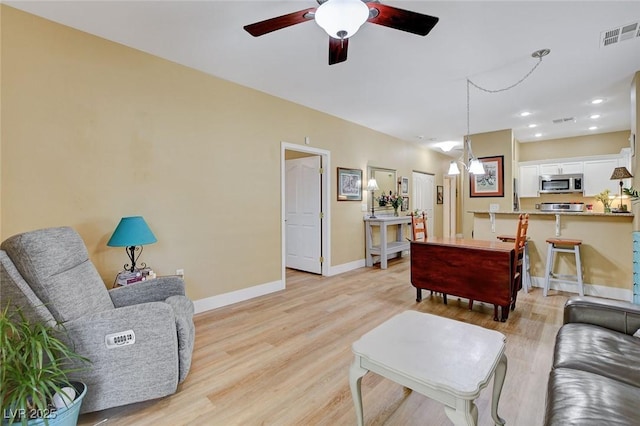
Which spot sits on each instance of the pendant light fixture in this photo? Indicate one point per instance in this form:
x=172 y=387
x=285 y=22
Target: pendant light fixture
x=473 y=165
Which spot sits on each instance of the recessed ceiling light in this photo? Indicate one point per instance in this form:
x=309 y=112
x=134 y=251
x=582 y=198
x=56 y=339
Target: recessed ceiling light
x=597 y=101
x=537 y=135
x=531 y=126
x=593 y=127
x=594 y=116
x=525 y=114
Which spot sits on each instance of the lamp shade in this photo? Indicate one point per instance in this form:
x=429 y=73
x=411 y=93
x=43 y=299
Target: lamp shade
x=453 y=169
x=372 y=185
x=476 y=167
x=341 y=18
x=132 y=231
x=620 y=173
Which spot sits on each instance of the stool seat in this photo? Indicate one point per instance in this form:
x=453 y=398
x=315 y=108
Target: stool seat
x=564 y=241
x=563 y=245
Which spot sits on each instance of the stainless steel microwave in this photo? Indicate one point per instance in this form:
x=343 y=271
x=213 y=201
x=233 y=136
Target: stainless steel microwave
x=561 y=184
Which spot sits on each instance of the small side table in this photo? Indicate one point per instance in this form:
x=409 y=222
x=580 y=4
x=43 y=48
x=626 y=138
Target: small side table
x=446 y=360
x=386 y=247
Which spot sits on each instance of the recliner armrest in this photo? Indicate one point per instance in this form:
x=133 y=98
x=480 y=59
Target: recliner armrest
x=155 y=290
x=145 y=370
x=623 y=317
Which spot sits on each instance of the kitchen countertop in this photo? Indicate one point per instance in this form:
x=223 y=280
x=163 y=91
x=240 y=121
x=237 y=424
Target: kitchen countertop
x=563 y=213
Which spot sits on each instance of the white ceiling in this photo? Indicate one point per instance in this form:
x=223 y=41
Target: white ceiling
x=407 y=86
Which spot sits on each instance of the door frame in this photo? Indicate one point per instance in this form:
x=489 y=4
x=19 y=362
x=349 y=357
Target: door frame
x=325 y=223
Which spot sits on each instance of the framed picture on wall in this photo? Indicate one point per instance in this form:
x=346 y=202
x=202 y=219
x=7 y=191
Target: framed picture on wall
x=405 y=204
x=349 y=184
x=491 y=183
x=439 y=194
x=404 y=185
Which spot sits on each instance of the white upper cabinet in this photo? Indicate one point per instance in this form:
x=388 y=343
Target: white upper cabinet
x=529 y=181
x=597 y=172
x=561 y=168
x=597 y=177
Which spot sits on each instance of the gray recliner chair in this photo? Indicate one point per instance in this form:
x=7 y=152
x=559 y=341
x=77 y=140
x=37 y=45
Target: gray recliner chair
x=48 y=274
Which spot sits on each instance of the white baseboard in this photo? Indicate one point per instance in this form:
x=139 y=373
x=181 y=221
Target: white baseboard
x=346 y=267
x=589 y=289
x=226 y=299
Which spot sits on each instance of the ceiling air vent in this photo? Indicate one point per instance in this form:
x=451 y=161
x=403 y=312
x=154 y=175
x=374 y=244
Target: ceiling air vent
x=618 y=34
x=563 y=120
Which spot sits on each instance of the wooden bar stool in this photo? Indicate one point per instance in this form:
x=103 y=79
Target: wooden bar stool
x=563 y=245
x=526 y=279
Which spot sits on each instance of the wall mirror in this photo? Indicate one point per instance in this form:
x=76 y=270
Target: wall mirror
x=386 y=179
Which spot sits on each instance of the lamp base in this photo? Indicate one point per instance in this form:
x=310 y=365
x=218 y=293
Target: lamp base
x=131 y=254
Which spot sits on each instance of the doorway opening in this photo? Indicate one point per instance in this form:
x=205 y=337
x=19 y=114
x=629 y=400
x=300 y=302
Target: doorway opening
x=302 y=214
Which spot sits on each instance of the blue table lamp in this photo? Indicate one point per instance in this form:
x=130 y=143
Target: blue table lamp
x=132 y=233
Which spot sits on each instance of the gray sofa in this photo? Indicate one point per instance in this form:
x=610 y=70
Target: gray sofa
x=595 y=379
x=48 y=274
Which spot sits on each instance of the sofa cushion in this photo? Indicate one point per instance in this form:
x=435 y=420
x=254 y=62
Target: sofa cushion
x=582 y=398
x=598 y=350
x=55 y=264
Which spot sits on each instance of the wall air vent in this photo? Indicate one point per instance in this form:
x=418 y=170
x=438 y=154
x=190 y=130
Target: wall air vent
x=564 y=120
x=620 y=34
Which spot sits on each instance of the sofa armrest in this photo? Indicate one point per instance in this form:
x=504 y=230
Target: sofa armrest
x=623 y=317
x=155 y=290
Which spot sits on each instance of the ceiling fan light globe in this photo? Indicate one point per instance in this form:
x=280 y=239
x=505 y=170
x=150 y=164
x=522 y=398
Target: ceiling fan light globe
x=341 y=18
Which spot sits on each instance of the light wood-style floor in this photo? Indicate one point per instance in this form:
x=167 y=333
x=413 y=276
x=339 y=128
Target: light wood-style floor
x=283 y=359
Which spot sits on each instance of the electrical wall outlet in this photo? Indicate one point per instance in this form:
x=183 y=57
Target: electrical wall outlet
x=180 y=272
x=122 y=338
x=364 y=207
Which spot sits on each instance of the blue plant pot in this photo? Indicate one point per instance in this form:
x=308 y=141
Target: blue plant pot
x=64 y=417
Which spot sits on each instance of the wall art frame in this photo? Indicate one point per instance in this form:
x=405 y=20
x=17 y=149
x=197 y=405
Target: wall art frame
x=349 y=184
x=491 y=183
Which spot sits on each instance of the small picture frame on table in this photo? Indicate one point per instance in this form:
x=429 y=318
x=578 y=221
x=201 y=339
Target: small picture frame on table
x=405 y=204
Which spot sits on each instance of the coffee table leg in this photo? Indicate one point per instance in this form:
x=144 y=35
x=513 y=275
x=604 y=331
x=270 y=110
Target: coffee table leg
x=355 y=379
x=498 y=381
x=465 y=413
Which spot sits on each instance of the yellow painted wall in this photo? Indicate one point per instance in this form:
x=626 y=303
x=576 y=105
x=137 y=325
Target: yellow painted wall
x=606 y=262
x=579 y=146
x=489 y=145
x=93 y=131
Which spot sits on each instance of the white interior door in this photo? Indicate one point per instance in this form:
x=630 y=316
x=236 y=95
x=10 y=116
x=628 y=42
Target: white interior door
x=423 y=196
x=302 y=205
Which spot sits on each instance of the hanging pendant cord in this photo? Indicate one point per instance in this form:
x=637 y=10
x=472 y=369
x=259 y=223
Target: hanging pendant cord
x=537 y=54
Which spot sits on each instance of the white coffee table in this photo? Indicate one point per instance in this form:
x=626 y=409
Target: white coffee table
x=448 y=361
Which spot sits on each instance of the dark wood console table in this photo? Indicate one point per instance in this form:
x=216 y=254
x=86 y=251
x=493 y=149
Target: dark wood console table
x=474 y=269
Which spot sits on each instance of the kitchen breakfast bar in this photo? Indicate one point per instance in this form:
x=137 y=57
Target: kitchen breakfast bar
x=606 y=251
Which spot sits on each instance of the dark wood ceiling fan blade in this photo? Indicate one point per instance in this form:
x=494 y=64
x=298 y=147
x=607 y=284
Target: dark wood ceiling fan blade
x=279 y=22
x=338 y=50
x=404 y=20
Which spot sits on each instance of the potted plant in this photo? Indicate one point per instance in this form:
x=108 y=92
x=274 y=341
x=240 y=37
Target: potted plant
x=603 y=197
x=34 y=368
